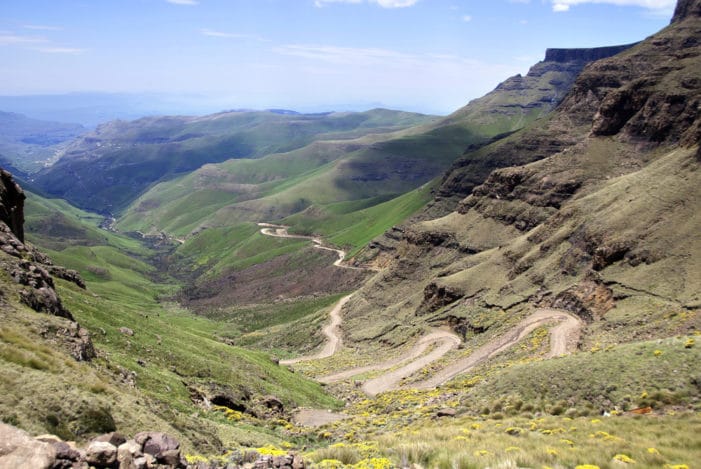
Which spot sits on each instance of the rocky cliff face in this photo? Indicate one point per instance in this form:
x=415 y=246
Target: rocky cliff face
x=584 y=55
x=32 y=272
x=537 y=94
x=12 y=205
x=686 y=9
x=597 y=215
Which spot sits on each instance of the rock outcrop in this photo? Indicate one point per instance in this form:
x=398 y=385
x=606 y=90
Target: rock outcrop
x=33 y=271
x=12 y=204
x=582 y=211
x=26 y=265
x=686 y=9
x=147 y=450
x=536 y=94
x=584 y=55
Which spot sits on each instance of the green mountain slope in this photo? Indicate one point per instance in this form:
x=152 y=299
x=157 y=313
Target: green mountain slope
x=157 y=366
x=29 y=144
x=351 y=191
x=602 y=224
x=108 y=168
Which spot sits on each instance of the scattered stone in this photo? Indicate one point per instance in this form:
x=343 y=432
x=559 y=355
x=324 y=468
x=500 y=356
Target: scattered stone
x=114 y=438
x=126 y=331
x=446 y=413
x=101 y=454
x=297 y=462
x=65 y=451
x=77 y=340
x=273 y=403
x=148 y=450
x=157 y=444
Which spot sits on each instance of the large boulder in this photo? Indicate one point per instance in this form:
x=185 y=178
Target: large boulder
x=101 y=454
x=18 y=449
x=164 y=448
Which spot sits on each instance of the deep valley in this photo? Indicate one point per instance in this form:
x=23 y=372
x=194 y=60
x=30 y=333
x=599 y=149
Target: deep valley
x=514 y=285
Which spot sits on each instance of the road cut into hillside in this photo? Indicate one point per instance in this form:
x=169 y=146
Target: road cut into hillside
x=280 y=231
x=331 y=332
x=438 y=336
x=333 y=338
x=563 y=339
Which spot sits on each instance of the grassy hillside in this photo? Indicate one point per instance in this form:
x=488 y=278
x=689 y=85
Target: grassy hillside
x=349 y=191
x=29 y=144
x=153 y=375
x=107 y=169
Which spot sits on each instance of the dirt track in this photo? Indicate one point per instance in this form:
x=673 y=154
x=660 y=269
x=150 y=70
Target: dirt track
x=333 y=339
x=280 y=231
x=415 y=352
x=563 y=338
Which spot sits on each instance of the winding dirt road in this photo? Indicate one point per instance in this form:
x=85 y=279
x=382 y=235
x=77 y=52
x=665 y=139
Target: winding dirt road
x=416 y=351
x=280 y=231
x=333 y=338
x=563 y=338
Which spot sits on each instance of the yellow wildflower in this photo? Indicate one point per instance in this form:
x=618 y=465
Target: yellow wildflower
x=624 y=458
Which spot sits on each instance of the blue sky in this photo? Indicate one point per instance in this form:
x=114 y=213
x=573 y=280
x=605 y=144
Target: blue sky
x=425 y=55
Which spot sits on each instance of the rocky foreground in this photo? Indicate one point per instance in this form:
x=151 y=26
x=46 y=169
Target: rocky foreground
x=147 y=450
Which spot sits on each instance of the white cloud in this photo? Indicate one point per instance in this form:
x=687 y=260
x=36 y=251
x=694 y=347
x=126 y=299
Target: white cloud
x=36 y=43
x=653 y=5
x=358 y=56
x=382 y=3
x=60 y=50
x=343 y=55
x=396 y=3
x=227 y=35
x=10 y=39
x=41 y=27
x=467 y=18
x=184 y=2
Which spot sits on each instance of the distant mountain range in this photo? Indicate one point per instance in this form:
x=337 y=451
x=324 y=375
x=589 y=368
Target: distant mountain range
x=524 y=275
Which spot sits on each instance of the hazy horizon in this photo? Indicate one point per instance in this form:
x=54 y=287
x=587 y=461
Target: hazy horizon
x=430 y=56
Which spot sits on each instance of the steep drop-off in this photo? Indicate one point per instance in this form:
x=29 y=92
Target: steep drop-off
x=600 y=217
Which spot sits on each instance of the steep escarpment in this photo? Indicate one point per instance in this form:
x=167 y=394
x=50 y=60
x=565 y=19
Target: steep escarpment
x=597 y=217
x=28 y=267
x=584 y=55
x=686 y=9
x=535 y=95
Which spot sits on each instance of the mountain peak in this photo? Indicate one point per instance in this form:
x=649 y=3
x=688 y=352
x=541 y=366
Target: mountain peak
x=686 y=9
x=584 y=55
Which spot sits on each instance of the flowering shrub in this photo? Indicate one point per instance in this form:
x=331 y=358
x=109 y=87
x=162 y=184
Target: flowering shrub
x=271 y=450
x=374 y=463
x=482 y=452
x=624 y=458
